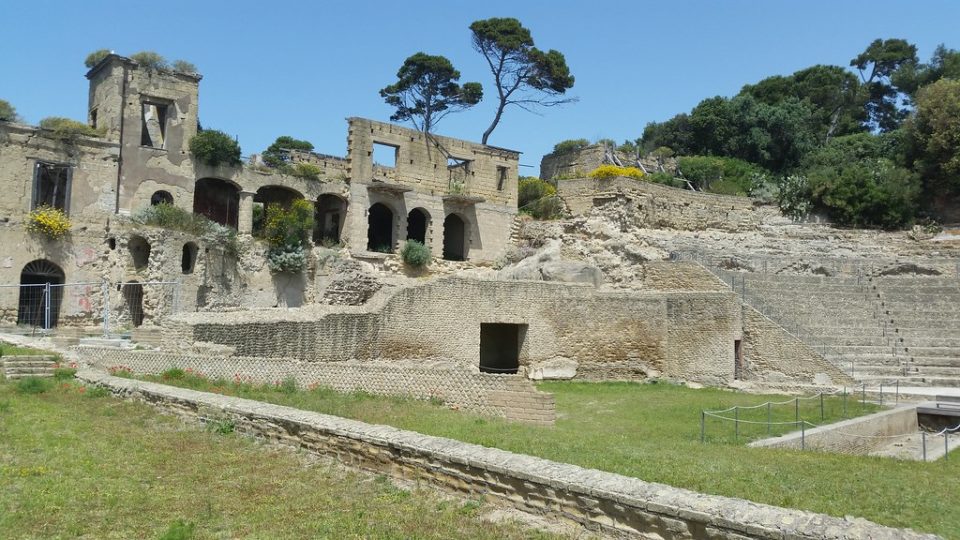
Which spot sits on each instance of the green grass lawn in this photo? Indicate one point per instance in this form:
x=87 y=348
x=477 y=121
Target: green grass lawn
x=652 y=432
x=78 y=464
x=7 y=349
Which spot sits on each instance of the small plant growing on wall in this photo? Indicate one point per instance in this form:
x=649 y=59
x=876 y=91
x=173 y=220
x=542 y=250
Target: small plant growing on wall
x=287 y=230
x=604 y=172
x=67 y=129
x=214 y=148
x=415 y=254
x=48 y=221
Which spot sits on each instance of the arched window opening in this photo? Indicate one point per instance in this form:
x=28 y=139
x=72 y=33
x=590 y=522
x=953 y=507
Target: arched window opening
x=189 y=258
x=161 y=197
x=331 y=211
x=139 y=251
x=454 y=238
x=417 y=221
x=218 y=200
x=35 y=307
x=380 y=229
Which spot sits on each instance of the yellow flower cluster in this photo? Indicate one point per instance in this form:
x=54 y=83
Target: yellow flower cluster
x=604 y=172
x=48 y=221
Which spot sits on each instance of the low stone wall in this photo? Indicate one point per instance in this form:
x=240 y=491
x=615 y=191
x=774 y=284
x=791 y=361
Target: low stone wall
x=856 y=436
x=659 y=206
x=602 y=502
x=512 y=397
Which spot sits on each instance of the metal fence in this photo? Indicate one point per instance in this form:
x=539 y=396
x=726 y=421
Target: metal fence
x=116 y=307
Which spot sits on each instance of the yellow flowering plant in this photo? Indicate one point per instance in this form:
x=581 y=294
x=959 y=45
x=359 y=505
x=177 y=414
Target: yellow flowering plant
x=48 y=221
x=604 y=172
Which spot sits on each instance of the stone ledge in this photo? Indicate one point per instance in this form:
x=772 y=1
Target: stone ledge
x=603 y=502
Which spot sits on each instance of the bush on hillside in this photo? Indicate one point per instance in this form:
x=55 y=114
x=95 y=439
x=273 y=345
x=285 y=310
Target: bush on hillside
x=214 y=148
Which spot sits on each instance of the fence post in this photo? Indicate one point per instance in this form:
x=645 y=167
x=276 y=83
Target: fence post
x=768 y=418
x=946 y=445
x=844 y=401
x=105 y=288
x=796 y=409
x=821 y=407
x=46 y=306
x=736 y=424
x=703 y=417
x=923 y=444
x=803 y=435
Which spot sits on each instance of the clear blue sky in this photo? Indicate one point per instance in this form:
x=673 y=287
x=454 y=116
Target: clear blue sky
x=279 y=68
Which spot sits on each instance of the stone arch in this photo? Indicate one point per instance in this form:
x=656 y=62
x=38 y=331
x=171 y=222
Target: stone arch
x=380 y=228
x=418 y=223
x=32 y=304
x=188 y=259
x=218 y=200
x=268 y=196
x=328 y=219
x=139 y=251
x=456 y=242
x=133 y=298
x=161 y=197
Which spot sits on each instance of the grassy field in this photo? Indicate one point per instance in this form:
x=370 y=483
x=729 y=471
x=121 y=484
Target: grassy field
x=652 y=432
x=6 y=349
x=75 y=463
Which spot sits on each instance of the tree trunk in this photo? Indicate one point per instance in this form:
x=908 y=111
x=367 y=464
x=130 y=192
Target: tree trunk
x=493 y=125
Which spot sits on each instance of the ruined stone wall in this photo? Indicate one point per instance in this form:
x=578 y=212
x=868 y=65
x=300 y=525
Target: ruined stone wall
x=601 y=502
x=505 y=396
x=680 y=276
x=658 y=206
x=572 y=164
x=772 y=354
x=624 y=335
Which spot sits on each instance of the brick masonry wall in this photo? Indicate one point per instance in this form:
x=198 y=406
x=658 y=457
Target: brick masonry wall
x=509 y=396
x=772 y=354
x=601 y=502
x=659 y=206
x=687 y=335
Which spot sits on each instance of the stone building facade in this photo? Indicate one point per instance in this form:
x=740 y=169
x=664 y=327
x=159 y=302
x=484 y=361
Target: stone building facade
x=457 y=197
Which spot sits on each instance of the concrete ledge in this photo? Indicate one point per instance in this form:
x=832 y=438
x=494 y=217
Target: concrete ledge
x=603 y=502
x=859 y=435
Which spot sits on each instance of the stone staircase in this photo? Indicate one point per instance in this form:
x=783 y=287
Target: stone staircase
x=18 y=367
x=925 y=315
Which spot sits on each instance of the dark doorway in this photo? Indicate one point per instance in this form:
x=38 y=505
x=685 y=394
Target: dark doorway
x=454 y=238
x=139 y=251
x=737 y=359
x=417 y=221
x=189 y=258
x=218 y=200
x=380 y=229
x=328 y=220
x=32 y=304
x=133 y=295
x=500 y=347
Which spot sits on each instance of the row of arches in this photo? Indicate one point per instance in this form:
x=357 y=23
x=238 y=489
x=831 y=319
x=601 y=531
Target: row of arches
x=380 y=231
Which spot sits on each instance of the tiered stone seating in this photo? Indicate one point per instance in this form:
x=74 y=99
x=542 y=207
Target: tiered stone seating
x=925 y=315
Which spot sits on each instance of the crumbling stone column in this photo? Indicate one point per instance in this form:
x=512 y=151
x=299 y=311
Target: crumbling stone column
x=245 y=219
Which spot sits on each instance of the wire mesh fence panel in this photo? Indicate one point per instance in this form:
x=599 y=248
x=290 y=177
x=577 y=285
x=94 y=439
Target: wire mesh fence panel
x=75 y=304
x=25 y=305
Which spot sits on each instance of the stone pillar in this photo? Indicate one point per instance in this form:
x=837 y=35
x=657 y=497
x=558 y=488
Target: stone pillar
x=245 y=219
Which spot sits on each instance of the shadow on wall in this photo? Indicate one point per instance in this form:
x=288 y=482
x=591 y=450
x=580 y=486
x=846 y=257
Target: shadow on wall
x=290 y=289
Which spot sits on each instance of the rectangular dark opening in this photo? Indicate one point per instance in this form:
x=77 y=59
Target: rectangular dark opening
x=51 y=185
x=154 y=125
x=737 y=359
x=500 y=347
x=501 y=177
x=385 y=155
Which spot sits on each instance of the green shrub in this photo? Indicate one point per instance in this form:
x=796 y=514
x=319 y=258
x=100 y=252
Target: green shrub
x=305 y=170
x=665 y=179
x=179 y=530
x=94 y=392
x=173 y=374
x=286 y=259
x=288 y=386
x=96 y=57
x=182 y=66
x=214 y=148
x=65 y=128
x=34 y=385
x=703 y=171
x=289 y=227
x=866 y=193
x=168 y=216
x=415 y=254
x=150 y=61
x=7 y=112
x=794 y=197
x=64 y=374
x=538 y=198
x=570 y=145
x=275 y=155
x=222 y=426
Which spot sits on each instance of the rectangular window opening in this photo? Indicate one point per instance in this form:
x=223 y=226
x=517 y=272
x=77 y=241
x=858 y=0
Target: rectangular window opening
x=737 y=359
x=385 y=155
x=154 y=125
x=93 y=118
x=51 y=185
x=500 y=345
x=501 y=177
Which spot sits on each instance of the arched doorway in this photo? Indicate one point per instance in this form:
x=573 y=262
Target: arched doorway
x=33 y=304
x=139 y=251
x=218 y=200
x=188 y=257
x=133 y=297
x=328 y=219
x=266 y=197
x=454 y=238
x=417 y=221
x=161 y=197
x=380 y=229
